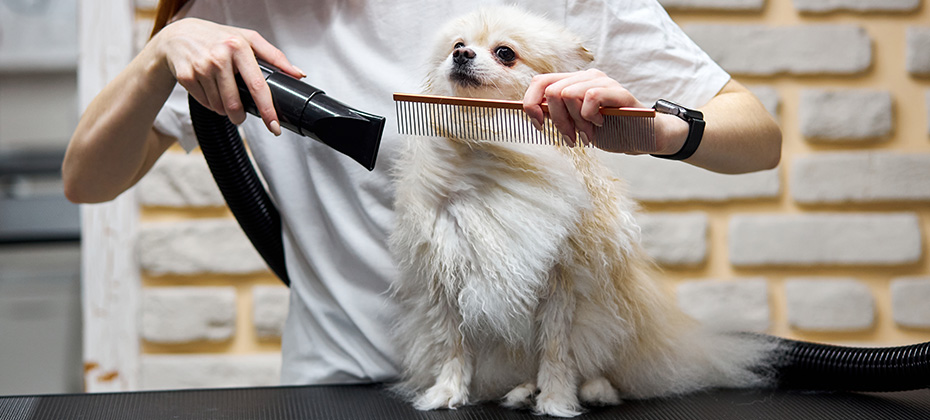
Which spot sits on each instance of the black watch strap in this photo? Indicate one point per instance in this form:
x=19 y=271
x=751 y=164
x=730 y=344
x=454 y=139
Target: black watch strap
x=695 y=120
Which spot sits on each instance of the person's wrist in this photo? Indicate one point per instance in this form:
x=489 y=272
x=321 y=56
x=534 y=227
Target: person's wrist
x=154 y=60
x=671 y=134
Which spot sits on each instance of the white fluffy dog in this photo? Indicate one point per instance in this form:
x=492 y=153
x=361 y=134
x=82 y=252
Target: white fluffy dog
x=523 y=276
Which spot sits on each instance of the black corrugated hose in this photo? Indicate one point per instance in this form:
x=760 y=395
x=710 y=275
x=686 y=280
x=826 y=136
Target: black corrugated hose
x=236 y=177
x=813 y=366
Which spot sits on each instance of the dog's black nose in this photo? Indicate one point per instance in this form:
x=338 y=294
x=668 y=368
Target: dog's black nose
x=462 y=55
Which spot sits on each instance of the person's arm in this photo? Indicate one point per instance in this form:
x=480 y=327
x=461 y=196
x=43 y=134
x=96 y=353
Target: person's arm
x=740 y=135
x=114 y=143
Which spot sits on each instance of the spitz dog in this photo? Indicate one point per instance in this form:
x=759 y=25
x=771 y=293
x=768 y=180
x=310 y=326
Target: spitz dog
x=523 y=278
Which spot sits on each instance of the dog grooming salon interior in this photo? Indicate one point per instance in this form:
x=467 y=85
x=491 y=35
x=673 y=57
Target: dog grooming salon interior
x=831 y=246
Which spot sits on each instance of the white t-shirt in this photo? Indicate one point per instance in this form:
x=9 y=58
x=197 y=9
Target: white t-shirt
x=336 y=215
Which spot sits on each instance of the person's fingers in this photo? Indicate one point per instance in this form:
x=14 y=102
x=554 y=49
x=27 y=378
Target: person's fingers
x=533 y=99
x=585 y=112
x=229 y=94
x=535 y=95
x=559 y=115
x=205 y=58
x=563 y=110
x=261 y=94
x=188 y=80
x=600 y=97
x=214 y=101
x=574 y=101
x=271 y=54
x=568 y=100
x=197 y=92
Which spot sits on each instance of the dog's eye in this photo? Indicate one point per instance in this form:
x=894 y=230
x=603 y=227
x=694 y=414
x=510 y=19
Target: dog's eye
x=505 y=54
x=458 y=45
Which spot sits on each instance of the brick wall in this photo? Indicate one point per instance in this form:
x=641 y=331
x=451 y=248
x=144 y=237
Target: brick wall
x=830 y=246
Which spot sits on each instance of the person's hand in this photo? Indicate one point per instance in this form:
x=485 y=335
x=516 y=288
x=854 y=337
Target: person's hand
x=204 y=57
x=574 y=100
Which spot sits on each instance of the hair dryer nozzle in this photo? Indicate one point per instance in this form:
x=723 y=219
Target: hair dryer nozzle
x=354 y=133
x=308 y=111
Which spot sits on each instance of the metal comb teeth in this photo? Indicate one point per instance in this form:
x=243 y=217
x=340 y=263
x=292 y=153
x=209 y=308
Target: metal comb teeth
x=624 y=129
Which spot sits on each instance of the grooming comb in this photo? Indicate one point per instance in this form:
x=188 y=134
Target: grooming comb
x=624 y=129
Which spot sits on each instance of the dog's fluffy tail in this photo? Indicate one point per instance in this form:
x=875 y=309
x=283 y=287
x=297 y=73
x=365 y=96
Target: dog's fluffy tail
x=699 y=358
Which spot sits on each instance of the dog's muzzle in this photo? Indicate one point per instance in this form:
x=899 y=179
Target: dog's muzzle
x=463 y=73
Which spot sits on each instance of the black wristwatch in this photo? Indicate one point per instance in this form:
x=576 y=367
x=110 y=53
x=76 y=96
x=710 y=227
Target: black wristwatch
x=695 y=120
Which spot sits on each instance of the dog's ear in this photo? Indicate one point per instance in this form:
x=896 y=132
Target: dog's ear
x=577 y=58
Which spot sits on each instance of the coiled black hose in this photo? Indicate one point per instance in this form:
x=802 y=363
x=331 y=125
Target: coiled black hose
x=811 y=366
x=236 y=177
x=301 y=108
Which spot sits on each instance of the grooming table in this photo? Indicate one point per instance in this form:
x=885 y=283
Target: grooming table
x=373 y=402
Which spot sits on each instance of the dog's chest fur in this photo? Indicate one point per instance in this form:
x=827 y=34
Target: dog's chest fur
x=488 y=222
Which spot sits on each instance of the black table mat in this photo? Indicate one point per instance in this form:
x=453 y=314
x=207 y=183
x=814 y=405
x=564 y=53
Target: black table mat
x=373 y=402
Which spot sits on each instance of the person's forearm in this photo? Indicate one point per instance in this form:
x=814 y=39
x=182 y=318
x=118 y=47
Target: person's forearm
x=740 y=135
x=114 y=143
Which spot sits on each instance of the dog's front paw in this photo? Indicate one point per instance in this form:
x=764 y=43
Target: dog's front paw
x=441 y=396
x=520 y=397
x=557 y=405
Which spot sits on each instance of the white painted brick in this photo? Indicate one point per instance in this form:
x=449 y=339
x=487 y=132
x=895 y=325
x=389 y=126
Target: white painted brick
x=800 y=49
x=180 y=180
x=824 y=239
x=675 y=238
x=661 y=180
x=769 y=98
x=829 y=304
x=731 y=5
x=918 y=50
x=269 y=310
x=854 y=114
x=823 y=6
x=860 y=177
x=735 y=305
x=172 y=315
x=910 y=301
x=209 y=371
x=195 y=247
